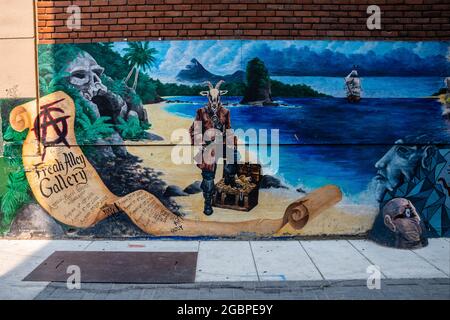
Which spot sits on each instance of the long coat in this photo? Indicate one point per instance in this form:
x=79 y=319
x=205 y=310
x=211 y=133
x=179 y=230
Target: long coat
x=206 y=160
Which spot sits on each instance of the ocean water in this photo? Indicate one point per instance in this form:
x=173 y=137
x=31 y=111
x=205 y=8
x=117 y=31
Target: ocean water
x=373 y=87
x=328 y=140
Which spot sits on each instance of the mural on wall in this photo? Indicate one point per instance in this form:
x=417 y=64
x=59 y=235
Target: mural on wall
x=233 y=138
x=66 y=185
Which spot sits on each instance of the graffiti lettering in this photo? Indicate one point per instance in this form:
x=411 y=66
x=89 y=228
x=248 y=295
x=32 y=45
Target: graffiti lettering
x=56 y=177
x=59 y=183
x=46 y=120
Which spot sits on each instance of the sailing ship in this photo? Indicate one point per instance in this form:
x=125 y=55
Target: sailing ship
x=353 y=86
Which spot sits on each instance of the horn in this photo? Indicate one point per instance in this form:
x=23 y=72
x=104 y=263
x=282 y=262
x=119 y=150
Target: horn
x=209 y=84
x=219 y=83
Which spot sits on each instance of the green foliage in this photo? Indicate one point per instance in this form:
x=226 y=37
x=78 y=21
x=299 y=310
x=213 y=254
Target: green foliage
x=12 y=135
x=16 y=195
x=52 y=61
x=146 y=90
x=115 y=86
x=258 y=80
x=234 y=88
x=89 y=131
x=54 y=58
x=280 y=89
x=13 y=154
x=173 y=89
x=116 y=66
x=140 y=54
x=140 y=57
x=257 y=74
x=16 y=192
x=17 y=188
x=87 y=127
x=131 y=129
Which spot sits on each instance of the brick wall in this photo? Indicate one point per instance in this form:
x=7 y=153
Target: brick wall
x=114 y=20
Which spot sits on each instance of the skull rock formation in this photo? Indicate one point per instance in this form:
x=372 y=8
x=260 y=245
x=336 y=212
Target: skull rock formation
x=86 y=76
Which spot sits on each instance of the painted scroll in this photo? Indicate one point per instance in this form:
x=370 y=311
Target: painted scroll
x=310 y=206
x=68 y=187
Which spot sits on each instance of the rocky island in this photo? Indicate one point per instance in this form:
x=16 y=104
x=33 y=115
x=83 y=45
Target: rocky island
x=257 y=91
x=254 y=85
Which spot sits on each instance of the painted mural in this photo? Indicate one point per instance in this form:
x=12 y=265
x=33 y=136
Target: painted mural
x=232 y=139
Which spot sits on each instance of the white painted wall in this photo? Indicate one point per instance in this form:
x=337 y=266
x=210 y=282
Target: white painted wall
x=17 y=52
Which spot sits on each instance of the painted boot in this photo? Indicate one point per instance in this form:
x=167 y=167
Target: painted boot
x=208 y=192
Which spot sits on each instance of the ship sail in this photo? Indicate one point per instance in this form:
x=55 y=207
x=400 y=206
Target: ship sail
x=353 y=86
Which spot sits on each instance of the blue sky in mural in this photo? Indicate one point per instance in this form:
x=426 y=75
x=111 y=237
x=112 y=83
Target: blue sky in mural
x=303 y=58
x=391 y=72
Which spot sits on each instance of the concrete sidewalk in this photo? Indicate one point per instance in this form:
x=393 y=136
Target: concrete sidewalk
x=336 y=264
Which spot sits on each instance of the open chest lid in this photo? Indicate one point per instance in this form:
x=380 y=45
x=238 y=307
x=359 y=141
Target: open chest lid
x=252 y=170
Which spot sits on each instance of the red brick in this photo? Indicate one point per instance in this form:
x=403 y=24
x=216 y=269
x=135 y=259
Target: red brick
x=60 y=35
x=141 y=33
x=99 y=28
x=210 y=26
x=118 y=14
x=145 y=8
x=118 y=27
x=200 y=19
x=54 y=23
x=136 y=27
x=113 y=34
x=103 y=15
x=145 y=20
x=196 y=32
x=108 y=21
x=163 y=20
x=252 y=32
x=182 y=20
x=126 y=21
x=168 y=33
x=114 y=20
x=210 y=13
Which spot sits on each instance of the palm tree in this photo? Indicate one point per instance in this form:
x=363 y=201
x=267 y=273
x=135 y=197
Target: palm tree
x=108 y=45
x=140 y=56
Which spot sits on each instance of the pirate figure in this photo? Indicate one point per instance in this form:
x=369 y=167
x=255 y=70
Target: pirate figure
x=210 y=130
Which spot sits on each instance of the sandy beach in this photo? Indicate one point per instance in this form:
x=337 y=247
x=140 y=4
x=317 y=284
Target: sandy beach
x=338 y=220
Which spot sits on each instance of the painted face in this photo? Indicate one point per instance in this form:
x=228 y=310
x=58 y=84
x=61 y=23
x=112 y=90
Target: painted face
x=214 y=98
x=401 y=217
x=396 y=166
x=214 y=94
x=85 y=75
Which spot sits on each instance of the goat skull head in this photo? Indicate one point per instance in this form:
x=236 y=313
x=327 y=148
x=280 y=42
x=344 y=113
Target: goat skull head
x=85 y=75
x=213 y=94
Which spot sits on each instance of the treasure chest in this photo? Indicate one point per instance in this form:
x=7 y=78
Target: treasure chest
x=243 y=196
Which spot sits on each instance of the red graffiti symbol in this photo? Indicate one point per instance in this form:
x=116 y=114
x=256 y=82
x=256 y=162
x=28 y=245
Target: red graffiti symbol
x=46 y=119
